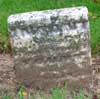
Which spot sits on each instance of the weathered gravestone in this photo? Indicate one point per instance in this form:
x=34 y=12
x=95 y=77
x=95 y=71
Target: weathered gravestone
x=51 y=46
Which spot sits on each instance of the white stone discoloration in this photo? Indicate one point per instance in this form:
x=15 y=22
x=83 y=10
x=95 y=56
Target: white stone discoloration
x=47 y=43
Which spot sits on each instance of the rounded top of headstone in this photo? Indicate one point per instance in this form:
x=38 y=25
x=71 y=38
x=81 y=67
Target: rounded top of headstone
x=28 y=18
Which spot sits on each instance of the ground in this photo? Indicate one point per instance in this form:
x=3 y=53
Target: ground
x=7 y=73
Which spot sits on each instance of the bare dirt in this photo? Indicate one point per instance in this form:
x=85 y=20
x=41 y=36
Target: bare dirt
x=7 y=73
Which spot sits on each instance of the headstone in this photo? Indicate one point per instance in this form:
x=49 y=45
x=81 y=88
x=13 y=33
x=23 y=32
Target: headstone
x=51 y=46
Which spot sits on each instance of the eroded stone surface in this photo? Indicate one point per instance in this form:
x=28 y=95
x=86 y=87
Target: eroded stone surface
x=51 y=46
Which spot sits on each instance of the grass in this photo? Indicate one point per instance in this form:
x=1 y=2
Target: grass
x=8 y=7
x=56 y=93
